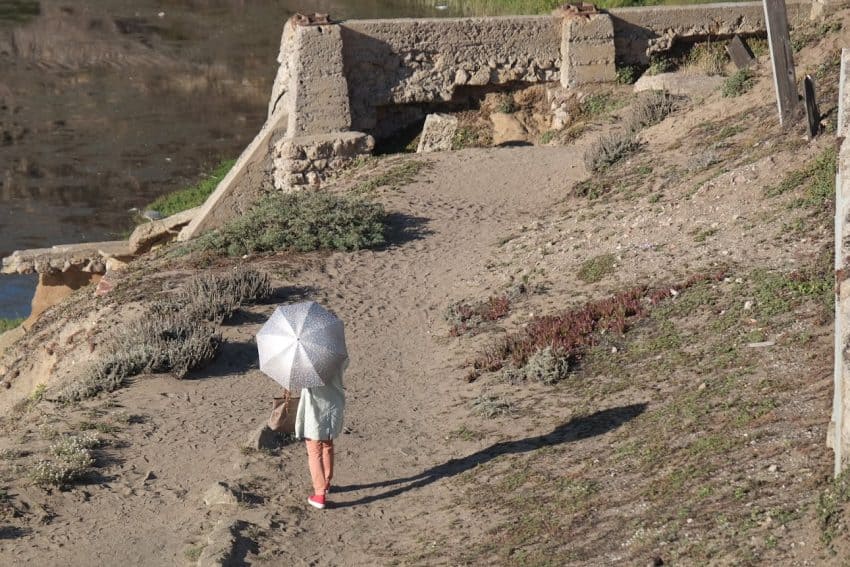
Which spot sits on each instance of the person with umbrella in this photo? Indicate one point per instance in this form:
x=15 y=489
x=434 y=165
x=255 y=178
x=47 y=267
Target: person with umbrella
x=302 y=347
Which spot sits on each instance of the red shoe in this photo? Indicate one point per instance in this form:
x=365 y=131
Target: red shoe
x=316 y=501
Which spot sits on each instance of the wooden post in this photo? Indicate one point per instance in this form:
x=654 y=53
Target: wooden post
x=810 y=101
x=782 y=59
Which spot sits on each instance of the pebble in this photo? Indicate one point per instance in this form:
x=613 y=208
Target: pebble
x=772 y=468
x=748 y=305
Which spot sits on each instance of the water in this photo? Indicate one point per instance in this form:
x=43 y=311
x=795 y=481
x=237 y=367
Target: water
x=107 y=104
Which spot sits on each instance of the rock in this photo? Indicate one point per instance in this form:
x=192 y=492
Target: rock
x=152 y=215
x=772 y=468
x=748 y=305
x=150 y=234
x=560 y=119
x=679 y=83
x=437 y=134
x=220 y=494
x=506 y=128
x=262 y=438
x=222 y=541
x=104 y=286
x=461 y=77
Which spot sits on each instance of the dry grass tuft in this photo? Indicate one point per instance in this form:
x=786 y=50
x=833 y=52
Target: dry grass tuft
x=175 y=335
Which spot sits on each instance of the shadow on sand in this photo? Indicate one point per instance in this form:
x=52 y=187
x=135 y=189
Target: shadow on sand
x=576 y=429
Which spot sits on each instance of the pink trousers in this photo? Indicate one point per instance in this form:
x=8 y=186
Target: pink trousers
x=320 y=457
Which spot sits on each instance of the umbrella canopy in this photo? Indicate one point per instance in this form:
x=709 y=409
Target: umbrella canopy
x=301 y=345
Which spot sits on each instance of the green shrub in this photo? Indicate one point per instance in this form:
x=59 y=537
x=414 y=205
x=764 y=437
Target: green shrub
x=628 y=74
x=738 y=83
x=660 y=64
x=194 y=195
x=303 y=221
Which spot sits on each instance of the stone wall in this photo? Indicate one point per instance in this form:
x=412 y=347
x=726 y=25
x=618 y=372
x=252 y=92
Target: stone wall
x=397 y=62
x=339 y=85
x=640 y=32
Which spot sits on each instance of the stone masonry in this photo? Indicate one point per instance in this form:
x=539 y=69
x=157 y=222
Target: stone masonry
x=340 y=85
x=587 y=49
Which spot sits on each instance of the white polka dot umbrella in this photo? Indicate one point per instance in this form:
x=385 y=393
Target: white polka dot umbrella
x=301 y=345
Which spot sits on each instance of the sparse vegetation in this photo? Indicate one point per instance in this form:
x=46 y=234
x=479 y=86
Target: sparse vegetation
x=194 y=553
x=9 y=324
x=469 y=136
x=548 y=136
x=568 y=334
x=811 y=32
x=708 y=57
x=831 y=504
x=597 y=104
x=194 y=195
x=817 y=180
x=71 y=460
x=36 y=396
x=628 y=74
x=175 y=335
x=394 y=178
x=594 y=269
x=609 y=149
x=466 y=317
x=506 y=104
x=738 y=83
x=660 y=64
x=544 y=365
x=492 y=406
x=301 y=221
x=648 y=109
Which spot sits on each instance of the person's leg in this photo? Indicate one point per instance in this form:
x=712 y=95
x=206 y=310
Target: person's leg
x=328 y=461
x=314 y=460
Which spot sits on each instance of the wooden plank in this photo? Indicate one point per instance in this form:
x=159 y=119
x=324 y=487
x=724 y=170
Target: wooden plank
x=740 y=53
x=782 y=58
x=812 y=112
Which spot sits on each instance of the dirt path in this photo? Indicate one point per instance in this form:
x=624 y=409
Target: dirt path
x=402 y=389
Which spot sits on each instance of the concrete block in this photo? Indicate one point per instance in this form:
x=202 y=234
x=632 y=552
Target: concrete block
x=437 y=134
x=596 y=26
x=678 y=83
x=150 y=234
x=587 y=52
x=320 y=98
x=589 y=74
